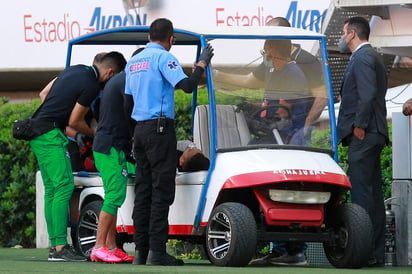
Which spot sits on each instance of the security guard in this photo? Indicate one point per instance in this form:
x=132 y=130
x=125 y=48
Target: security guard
x=151 y=78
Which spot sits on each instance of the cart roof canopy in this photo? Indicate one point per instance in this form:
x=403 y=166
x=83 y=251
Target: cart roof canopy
x=138 y=35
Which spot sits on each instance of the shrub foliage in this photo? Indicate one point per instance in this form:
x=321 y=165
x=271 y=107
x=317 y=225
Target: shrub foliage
x=17 y=179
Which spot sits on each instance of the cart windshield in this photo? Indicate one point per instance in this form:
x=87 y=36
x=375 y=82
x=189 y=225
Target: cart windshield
x=277 y=90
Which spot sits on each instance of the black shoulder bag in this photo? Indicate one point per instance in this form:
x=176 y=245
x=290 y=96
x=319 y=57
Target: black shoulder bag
x=25 y=129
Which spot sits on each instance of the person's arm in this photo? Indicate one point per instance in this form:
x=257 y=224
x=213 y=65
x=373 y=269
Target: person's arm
x=366 y=88
x=71 y=132
x=128 y=109
x=239 y=80
x=77 y=120
x=46 y=90
x=190 y=83
x=318 y=105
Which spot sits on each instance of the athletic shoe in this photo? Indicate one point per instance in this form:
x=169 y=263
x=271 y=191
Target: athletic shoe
x=162 y=258
x=51 y=258
x=119 y=253
x=103 y=255
x=286 y=259
x=67 y=254
x=372 y=262
x=265 y=260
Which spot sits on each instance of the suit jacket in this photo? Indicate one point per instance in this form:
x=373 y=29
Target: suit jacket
x=363 y=94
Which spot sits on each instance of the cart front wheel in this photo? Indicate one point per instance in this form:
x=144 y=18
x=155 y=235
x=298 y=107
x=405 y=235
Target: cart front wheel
x=231 y=235
x=353 y=235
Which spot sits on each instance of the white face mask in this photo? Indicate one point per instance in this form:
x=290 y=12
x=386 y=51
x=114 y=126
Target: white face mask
x=284 y=123
x=343 y=46
x=268 y=63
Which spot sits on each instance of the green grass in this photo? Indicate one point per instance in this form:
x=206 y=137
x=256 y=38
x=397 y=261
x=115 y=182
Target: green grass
x=14 y=260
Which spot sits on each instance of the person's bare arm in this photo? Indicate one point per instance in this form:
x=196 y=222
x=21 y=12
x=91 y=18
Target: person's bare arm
x=238 y=80
x=71 y=132
x=318 y=105
x=46 y=90
x=77 y=121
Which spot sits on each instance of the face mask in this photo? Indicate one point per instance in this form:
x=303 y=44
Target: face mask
x=343 y=46
x=268 y=63
x=283 y=123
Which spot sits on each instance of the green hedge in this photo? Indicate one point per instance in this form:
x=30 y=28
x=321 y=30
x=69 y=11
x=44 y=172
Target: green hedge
x=18 y=167
x=17 y=179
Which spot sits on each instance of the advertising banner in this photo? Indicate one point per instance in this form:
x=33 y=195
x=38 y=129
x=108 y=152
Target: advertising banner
x=35 y=33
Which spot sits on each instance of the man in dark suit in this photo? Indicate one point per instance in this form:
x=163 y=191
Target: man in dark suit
x=363 y=127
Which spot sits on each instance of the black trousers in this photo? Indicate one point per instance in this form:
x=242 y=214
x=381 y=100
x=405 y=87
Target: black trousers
x=366 y=178
x=155 y=184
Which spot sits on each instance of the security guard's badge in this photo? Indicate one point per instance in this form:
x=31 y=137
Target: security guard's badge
x=172 y=65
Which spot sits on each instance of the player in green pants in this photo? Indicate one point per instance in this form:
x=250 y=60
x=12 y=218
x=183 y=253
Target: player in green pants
x=66 y=104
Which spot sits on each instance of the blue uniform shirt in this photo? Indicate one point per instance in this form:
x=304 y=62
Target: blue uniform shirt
x=151 y=77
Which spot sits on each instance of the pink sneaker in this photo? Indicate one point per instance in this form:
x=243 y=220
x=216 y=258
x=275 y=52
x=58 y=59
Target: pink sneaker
x=119 y=253
x=103 y=255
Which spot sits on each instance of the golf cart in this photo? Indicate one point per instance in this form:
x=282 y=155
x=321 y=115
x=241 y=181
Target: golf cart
x=254 y=191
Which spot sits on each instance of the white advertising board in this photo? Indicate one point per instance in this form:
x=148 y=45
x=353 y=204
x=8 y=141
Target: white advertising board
x=35 y=33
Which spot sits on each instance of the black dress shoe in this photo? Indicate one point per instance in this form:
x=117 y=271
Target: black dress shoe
x=372 y=262
x=162 y=258
x=140 y=257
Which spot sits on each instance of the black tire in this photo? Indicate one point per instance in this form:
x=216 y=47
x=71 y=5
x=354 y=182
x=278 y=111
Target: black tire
x=353 y=233
x=231 y=235
x=87 y=227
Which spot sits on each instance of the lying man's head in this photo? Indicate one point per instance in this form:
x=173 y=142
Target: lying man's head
x=193 y=159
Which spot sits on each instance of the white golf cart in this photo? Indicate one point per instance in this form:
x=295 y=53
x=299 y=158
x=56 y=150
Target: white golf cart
x=253 y=191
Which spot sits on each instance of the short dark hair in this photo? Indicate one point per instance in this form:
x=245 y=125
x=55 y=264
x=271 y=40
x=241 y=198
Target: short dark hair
x=161 y=29
x=99 y=57
x=114 y=60
x=283 y=47
x=360 y=25
x=279 y=21
x=196 y=163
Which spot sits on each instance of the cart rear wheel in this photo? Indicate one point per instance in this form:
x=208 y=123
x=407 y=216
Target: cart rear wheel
x=231 y=235
x=87 y=227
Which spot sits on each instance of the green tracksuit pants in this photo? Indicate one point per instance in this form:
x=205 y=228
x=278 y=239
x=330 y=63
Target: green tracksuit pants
x=56 y=171
x=113 y=169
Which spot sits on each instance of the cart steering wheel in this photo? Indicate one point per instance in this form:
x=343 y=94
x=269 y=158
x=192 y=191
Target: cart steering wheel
x=259 y=125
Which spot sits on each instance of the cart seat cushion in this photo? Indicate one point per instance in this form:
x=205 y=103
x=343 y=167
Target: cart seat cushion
x=232 y=129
